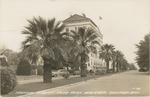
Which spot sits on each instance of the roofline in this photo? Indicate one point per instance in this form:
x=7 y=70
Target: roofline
x=81 y=16
x=92 y=22
x=73 y=15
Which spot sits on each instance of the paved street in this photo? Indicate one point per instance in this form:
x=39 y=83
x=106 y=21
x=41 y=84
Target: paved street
x=127 y=83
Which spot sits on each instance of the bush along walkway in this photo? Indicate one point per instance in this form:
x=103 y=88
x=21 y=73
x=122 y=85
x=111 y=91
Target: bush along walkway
x=23 y=89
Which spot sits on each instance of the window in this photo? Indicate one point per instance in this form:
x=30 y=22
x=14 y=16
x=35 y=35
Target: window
x=67 y=29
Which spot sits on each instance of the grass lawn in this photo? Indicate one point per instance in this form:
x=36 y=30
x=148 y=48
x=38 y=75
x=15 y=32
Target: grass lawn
x=30 y=77
x=22 y=89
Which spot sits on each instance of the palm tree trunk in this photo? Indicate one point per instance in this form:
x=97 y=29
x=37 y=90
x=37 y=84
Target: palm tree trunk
x=107 y=64
x=83 y=70
x=117 y=66
x=83 y=67
x=120 y=67
x=113 y=66
x=47 y=75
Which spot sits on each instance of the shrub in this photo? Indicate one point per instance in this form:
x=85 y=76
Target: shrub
x=66 y=75
x=8 y=80
x=3 y=62
x=23 y=68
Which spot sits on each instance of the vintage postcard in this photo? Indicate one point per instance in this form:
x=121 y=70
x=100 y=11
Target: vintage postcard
x=74 y=48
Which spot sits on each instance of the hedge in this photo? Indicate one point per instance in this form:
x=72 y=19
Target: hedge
x=24 y=67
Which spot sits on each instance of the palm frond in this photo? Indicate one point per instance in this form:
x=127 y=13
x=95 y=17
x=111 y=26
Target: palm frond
x=29 y=39
x=87 y=49
x=76 y=57
x=75 y=35
x=43 y=38
x=26 y=32
x=96 y=42
x=31 y=30
x=47 y=52
x=92 y=37
x=60 y=54
x=78 y=48
x=81 y=32
x=30 y=51
x=58 y=27
x=93 y=49
x=89 y=32
x=51 y=24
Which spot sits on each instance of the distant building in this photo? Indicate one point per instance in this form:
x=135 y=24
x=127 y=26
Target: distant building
x=76 y=21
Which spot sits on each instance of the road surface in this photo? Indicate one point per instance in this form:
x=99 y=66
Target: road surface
x=129 y=83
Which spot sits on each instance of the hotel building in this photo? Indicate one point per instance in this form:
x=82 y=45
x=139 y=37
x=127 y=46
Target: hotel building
x=73 y=23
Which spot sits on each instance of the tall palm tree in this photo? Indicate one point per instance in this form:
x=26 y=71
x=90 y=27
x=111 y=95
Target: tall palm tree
x=106 y=53
x=119 y=58
x=43 y=39
x=84 y=41
x=124 y=64
x=114 y=58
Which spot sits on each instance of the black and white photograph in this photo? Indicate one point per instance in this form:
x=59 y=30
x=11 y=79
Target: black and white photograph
x=74 y=48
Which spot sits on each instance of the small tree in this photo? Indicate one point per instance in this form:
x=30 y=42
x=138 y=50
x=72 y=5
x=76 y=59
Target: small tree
x=23 y=68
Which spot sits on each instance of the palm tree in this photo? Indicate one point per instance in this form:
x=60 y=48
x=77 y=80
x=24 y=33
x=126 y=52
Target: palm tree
x=114 y=60
x=125 y=64
x=84 y=41
x=43 y=40
x=106 y=53
x=119 y=58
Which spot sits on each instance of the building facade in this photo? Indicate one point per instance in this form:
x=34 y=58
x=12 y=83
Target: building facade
x=76 y=21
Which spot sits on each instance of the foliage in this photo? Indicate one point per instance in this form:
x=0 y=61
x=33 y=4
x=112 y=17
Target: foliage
x=106 y=53
x=8 y=80
x=85 y=40
x=100 y=71
x=143 y=52
x=3 y=62
x=44 y=39
x=65 y=75
x=122 y=63
x=12 y=57
x=24 y=67
x=132 y=66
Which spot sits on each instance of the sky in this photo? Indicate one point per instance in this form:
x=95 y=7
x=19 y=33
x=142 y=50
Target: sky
x=124 y=22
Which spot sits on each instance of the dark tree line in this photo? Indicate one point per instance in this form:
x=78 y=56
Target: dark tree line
x=143 y=53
